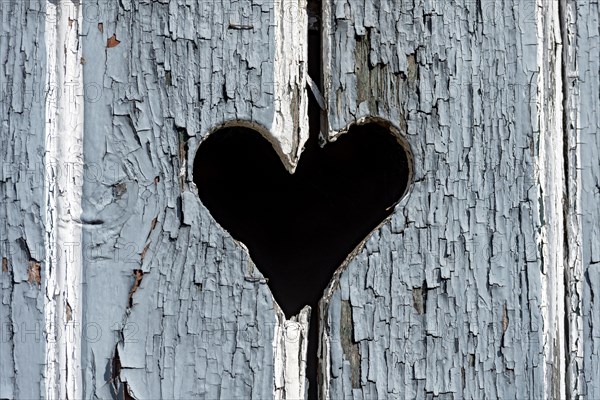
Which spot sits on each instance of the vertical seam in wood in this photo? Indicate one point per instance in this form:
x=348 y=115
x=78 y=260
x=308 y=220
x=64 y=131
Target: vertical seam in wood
x=291 y=115
x=574 y=275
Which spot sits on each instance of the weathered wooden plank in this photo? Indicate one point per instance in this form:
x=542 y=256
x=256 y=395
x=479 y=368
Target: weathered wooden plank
x=22 y=207
x=63 y=188
x=184 y=312
x=450 y=294
x=550 y=174
x=582 y=155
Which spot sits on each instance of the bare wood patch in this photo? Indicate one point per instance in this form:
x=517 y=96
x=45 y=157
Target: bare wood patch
x=349 y=346
x=139 y=275
x=143 y=255
x=504 y=319
x=153 y=223
x=112 y=41
x=420 y=299
x=34 y=272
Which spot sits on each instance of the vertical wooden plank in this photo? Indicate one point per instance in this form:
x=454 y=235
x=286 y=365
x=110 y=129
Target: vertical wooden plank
x=183 y=311
x=63 y=180
x=581 y=126
x=22 y=208
x=550 y=180
x=449 y=297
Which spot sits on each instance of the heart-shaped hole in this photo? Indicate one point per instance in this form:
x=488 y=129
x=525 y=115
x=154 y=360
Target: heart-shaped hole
x=300 y=227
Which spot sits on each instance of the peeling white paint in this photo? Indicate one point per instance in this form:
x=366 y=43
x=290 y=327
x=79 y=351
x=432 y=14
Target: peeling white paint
x=290 y=346
x=550 y=172
x=63 y=180
x=290 y=120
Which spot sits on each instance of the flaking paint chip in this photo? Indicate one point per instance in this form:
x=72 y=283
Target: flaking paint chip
x=112 y=41
x=101 y=27
x=34 y=272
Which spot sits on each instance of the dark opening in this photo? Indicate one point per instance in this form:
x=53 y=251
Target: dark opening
x=299 y=228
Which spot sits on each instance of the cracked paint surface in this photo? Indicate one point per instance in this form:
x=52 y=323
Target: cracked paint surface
x=475 y=287
x=581 y=33
x=460 y=293
x=22 y=208
x=202 y=321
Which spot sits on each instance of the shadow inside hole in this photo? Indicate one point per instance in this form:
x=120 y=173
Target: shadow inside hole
x=300 y=227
